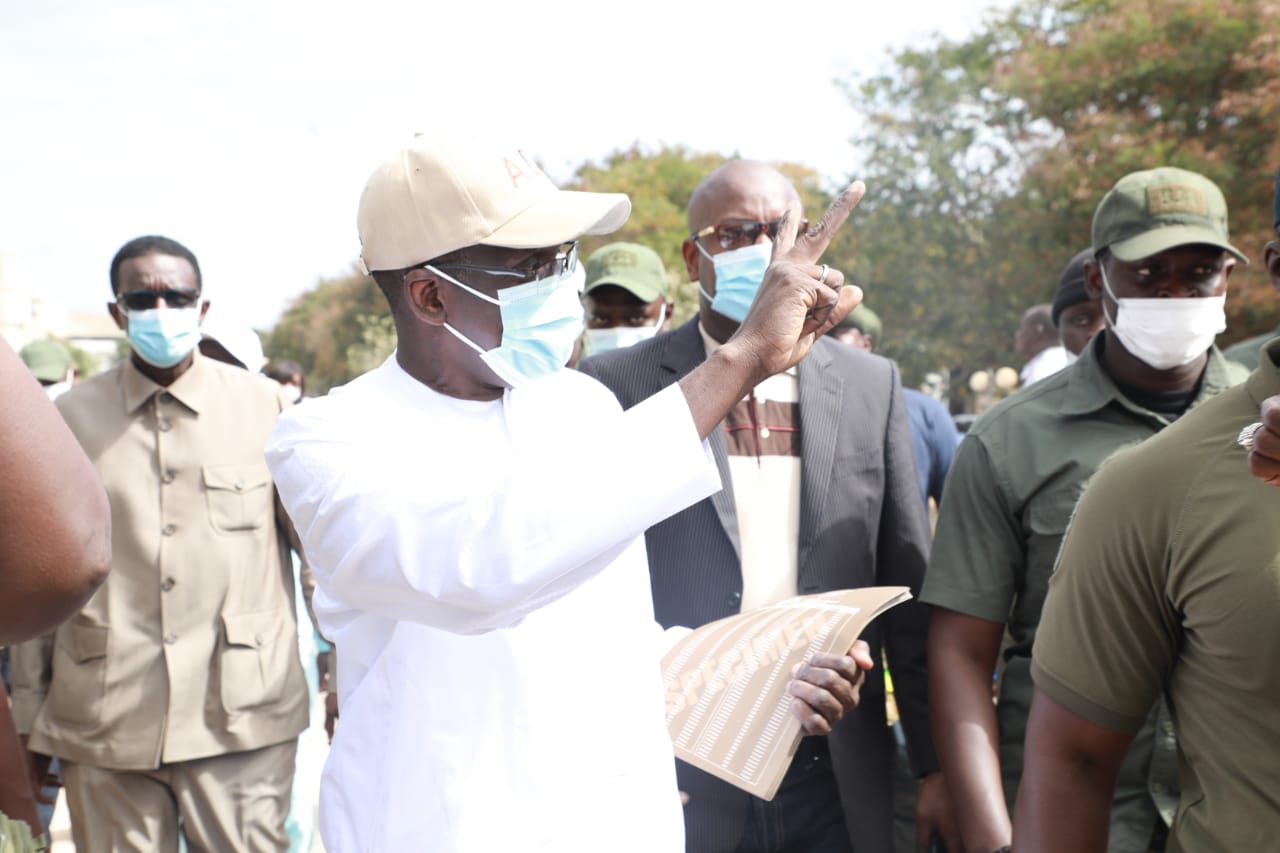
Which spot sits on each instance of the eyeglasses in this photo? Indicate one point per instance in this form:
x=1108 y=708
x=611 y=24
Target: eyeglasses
x=145 y=300
x=739 y=233
x=535 y=267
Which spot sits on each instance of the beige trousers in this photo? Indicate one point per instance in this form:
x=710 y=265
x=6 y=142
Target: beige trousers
x=227 y=803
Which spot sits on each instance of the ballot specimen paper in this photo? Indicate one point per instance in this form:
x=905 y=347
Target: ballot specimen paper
x=728 y=709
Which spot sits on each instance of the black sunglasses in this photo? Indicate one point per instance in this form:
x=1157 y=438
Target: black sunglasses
x=145 y=300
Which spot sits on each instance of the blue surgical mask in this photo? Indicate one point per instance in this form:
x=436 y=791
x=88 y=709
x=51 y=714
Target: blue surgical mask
x=162 y=337
x=541 y=322
x=739 y=273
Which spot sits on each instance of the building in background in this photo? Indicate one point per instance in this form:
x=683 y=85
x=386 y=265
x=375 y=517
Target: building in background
x=26 y=315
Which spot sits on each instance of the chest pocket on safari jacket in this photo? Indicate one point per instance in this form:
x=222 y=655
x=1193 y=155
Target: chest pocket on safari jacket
x=239 y=496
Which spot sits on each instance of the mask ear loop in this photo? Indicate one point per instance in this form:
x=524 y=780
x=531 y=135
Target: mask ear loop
x=475 y=346
x=1106 y=288
x=444 y=275
x=708 y=256
x=450 y=329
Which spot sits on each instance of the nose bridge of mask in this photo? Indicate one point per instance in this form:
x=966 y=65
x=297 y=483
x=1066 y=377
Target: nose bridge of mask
x=1150 y=311
x=520 y=306
x=540 y=303
x=751 y=251
x=519 y=293
x=728 y=262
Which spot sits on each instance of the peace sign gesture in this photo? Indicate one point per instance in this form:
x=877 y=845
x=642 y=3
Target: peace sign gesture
x=798 y=302
x=800 y=299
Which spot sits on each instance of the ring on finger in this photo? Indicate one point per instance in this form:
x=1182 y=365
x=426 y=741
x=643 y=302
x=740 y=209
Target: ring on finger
x=1245 y=438
x=822 y=277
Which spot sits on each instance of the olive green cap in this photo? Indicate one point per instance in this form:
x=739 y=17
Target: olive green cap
x=632 y=267
x=47 y=359
x=1148 y=212
x=863 y=319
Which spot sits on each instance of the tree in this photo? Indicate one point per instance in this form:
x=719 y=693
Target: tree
x=342 y=327
x=986 y=157
x=1140 y=83
x=939 y=156
x=659 y=184
x=336 y=330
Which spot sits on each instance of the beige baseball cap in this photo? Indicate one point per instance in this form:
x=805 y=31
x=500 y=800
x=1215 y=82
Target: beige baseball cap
x=441 y=193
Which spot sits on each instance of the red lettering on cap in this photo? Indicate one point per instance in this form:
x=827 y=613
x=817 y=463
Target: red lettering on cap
x=521 y=168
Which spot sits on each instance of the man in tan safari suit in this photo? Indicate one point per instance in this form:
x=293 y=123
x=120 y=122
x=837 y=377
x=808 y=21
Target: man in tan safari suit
x=176 y=692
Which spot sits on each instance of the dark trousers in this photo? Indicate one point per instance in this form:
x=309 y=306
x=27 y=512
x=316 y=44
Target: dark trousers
x=805 y=816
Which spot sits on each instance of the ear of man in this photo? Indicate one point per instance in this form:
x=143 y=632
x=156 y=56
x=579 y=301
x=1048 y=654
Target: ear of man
x=422 y=298
x=1271 y=259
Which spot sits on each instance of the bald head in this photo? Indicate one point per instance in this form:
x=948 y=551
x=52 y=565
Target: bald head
x=736 y=197
x=1036 y=332
x=738 y=185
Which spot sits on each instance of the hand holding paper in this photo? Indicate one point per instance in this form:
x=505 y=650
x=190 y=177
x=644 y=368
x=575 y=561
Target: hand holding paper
x=827 y=687
x=733 y=685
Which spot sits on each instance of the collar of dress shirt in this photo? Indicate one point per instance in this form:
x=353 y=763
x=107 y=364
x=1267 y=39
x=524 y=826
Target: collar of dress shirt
x=190 y=389
x=1090 y=389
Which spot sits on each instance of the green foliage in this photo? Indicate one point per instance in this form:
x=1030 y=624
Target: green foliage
x=377 y=342
x=1141 y=83
x=936 y=166
x=335 y=331
x=659 y=184
x=986 y=158
x=85 y=363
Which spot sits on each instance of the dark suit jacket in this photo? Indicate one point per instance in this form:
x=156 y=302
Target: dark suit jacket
x=861 y=524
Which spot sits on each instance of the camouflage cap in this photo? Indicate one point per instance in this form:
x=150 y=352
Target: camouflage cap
x=1147 y=212
x=632 y=267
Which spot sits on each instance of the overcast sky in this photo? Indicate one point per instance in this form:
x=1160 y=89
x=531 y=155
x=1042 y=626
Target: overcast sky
x=246 y=128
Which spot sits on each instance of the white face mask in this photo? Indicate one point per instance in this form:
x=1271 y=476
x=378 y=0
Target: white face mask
x=621 y=337
x=293 y=392
x=57 y=389
x=1166 y=332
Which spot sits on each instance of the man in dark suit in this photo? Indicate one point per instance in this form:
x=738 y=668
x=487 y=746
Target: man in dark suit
x=820 y=494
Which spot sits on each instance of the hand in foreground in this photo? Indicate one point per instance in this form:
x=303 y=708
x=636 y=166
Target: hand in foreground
x=330 y=714
x=935 y=815
x=826 y=688
x=38 y=773
x=1264 y=457
x=799 y=299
